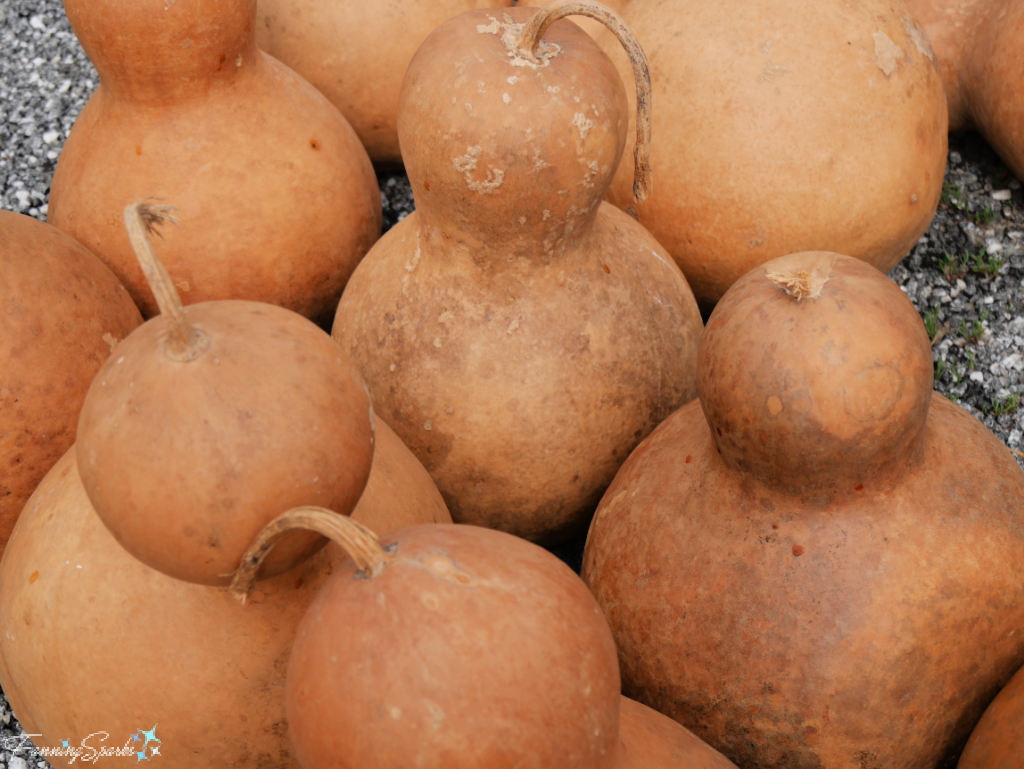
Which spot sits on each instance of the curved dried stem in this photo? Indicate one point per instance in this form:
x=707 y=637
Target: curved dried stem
x=357 y=540
x=546 y=16
x=142 y=219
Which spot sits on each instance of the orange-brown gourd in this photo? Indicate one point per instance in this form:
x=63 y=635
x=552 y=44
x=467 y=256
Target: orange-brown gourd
x=784 y=126
x=208 y=423
x=817 y=564
x=998 y=740
x=356 y=53
x=61 y=312
x=447 y=646
x=649 y=740
x=129 y=648
x=520 y=335
x=979 y=45
x=279 y=198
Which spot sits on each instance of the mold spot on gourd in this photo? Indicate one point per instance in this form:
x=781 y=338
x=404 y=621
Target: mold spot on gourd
x=798 y=550
x=314 y=144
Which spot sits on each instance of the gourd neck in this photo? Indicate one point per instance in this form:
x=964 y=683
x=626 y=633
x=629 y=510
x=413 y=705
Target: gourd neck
x=165 y=51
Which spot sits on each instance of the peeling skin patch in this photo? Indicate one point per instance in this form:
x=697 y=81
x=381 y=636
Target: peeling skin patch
x=467 y=164
x=506 y=98
x=513 y=80
x=887 y=53
x=774 y=404
x=770 y=70
x=111 y=340
x=509 y=32
x=583 y=123
x=513 y=326
x=920 y=39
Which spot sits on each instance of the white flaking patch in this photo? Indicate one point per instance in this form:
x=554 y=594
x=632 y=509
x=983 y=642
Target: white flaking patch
x=513 y=80
x=445 y=316
x=183 y=285
x=583 y=123
x=238 y=61
x=111 y=340
x=506 y=98
x=547 y=215
x=887 y=53
x=510 y=32
x=770 y=70
x=553 y=89
x=437 y=342
x=522 y=220
x=919 y=39
x=467 y=164
x=513 y=325
x=469 y=109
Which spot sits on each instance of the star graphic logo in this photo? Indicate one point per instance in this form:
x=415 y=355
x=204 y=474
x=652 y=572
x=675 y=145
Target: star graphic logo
x=150 y=736
x=67 y=744
x=156 y=751
x=141 y=756
x=136 y=738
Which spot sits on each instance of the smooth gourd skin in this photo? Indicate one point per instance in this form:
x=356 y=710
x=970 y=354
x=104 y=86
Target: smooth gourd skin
x=650 y=740
x=186 y=461
x=861 y=621
x=783 y=127
x=356 y=54
x=276 y=197
x=520 y=335
x=472 y=649
x=61 y=311
x=115 y=646
x=998 y=740
x=979 y=45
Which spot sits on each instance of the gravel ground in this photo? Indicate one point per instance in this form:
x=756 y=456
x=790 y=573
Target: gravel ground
x=966 y=275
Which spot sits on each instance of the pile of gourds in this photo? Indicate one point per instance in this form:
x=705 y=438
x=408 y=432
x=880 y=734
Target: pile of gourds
x=230 y=523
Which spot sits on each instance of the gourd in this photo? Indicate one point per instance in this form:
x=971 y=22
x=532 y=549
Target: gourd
x=277 y=198
x=997 y=742
x=786 y=126
x=449 y=646
x=62 y=312
x=520 y=335
x=356 y=54
x=650 y=740
x=207 y=424
x=131 y=647
x=818 y=562
x=979 y=45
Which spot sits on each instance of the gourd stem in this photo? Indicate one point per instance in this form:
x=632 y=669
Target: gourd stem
x=530 y=36
x=143 y=218
x=357 y=540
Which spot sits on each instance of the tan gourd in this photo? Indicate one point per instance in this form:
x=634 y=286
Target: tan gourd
x=277 y=198
x=997 y=742
x=979 y=45
x=446 y=646
x=650 y=740
x=784 y=126
x=520 y=335
x=818 y=562
x=356 y=53
x=208 y=423
x=91 y=640
x=61 y=313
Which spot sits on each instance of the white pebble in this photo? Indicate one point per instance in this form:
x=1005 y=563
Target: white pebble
x=1001 y=195
x=977 y=376
x=17 y=762
x=22 y=196
x=51 y=136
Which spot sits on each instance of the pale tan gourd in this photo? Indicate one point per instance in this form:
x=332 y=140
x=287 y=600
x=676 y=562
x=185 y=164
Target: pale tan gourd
x=61 y=314
x=783 y=126
x=277 y=198
x=979 y=45
x=131 y=648
x=519 y=334
x=356 y=53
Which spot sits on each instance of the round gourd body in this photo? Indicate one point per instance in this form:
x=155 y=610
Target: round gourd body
x=979 y=45
x=276 y=197
x=786 y=127
x=519 y=336
x=62 y=311
x=94 y=641
x=471 y=648
x=356 y=54
x=650 y=740
x=859 y=618
x=997 y=742
x=186 y=461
